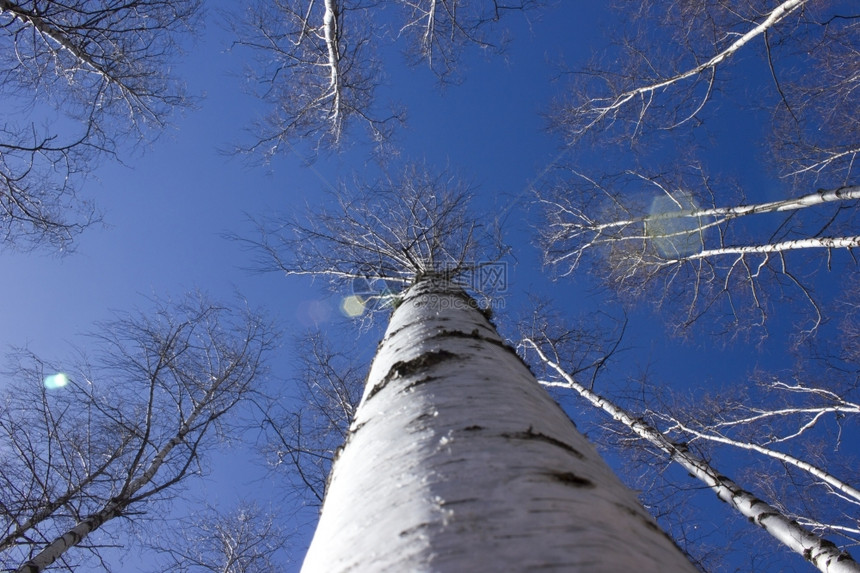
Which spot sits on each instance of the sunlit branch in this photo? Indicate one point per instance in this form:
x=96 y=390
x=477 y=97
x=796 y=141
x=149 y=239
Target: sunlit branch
x=822 y=164
x=677 y=425
x=820 y=552
x=720 y=215
x=674 y=243
x=817 y=525
x=809 y=243
x=646 y=93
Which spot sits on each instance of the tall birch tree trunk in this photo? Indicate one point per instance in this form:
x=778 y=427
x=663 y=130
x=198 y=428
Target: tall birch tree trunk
x=459 y=461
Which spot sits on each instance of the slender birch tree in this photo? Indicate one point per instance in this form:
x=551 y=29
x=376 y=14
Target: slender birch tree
x=77 y=79
x=456 y=459
x=799 y=535
x=122 y=432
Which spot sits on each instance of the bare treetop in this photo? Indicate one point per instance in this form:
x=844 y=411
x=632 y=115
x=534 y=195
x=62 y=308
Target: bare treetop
x=316 y=67
x=397 y=229
x=438 y=30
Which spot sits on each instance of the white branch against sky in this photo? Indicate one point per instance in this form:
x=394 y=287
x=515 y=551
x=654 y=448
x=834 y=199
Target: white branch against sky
x=782 y=246
x=823 y=554
x=722 y=214
x=330 y=32
x=646 y=92
x=713 y=436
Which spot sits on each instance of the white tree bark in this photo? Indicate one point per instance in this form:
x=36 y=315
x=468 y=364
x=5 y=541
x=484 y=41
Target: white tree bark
x=459 y=461
x=330 y=33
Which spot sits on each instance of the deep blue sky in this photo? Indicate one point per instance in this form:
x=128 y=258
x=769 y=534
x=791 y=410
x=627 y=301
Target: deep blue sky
x=166 y=211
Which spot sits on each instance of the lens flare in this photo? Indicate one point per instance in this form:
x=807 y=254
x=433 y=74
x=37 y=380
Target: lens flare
x=55 y=381
x=352 y=306
x=673 y=234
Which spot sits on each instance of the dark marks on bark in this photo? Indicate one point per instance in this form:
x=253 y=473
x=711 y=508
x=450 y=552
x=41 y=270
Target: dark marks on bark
x=403 y=368
x=449 y=503
x=571 y=479
x=476 y=335
x=530 y=434
x=415 y=529
x=419 y=382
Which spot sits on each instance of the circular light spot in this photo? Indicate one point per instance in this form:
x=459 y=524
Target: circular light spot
x=352 y=306
x=672 y=231
x=55 y=381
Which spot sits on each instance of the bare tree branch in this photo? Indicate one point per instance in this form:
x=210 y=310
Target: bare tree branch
x=811 y=415
x=439 y=30
x=302 y=432
x=822 y=553
x=317 y=70
x=704 y=259
x=580 y=118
